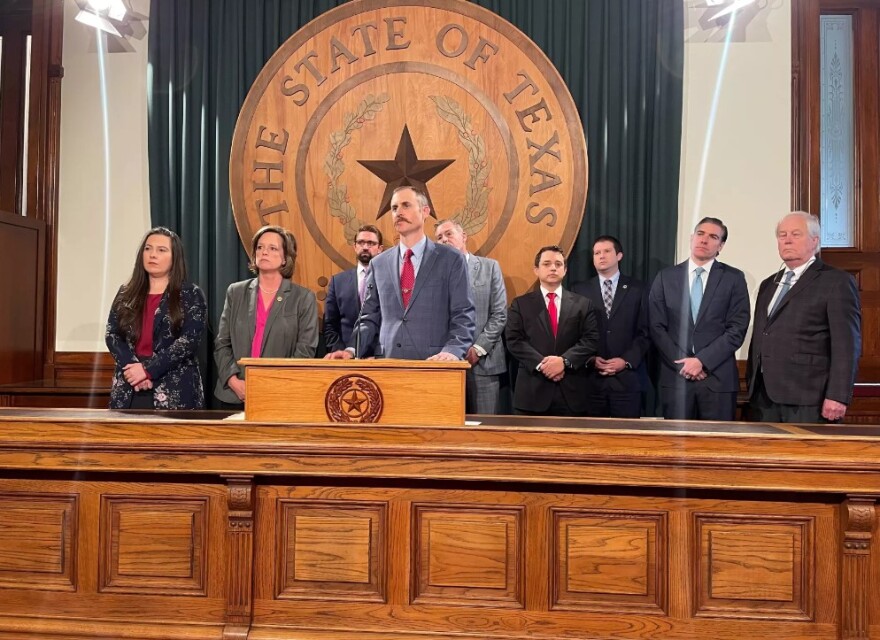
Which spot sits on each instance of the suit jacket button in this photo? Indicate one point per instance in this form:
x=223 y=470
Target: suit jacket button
x=398 y=345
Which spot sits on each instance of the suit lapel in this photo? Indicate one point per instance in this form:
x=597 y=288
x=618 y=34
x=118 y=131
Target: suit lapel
x=565 y=312
x=353 y=293
x=275 y=311
x=391 y=266
x=801 y=285
x=428 y=259
x=715 y=276
x=619 y=295
x=474 y=266
x=252 y=291
x=540 y=312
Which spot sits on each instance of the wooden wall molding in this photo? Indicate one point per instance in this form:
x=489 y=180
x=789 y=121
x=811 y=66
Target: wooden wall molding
x=858 y=521
x=239 y=556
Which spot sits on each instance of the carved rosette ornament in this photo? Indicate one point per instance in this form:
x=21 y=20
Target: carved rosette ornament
x=441 y=95
x=858 y=518
x=354 y=398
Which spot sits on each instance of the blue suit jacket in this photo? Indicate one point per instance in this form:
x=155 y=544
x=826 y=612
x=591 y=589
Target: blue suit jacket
x=719 y=331
x=623 y=335
x=440 y=315
x=341 y=310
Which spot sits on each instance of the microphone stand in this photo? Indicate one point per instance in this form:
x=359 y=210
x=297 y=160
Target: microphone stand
x=357 y=324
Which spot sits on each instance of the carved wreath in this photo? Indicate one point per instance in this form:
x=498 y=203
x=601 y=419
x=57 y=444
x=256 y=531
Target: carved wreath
x=334 y=165
x=473 y=216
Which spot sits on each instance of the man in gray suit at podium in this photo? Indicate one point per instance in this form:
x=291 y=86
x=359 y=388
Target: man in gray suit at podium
x=417 y=297
x=486 y=355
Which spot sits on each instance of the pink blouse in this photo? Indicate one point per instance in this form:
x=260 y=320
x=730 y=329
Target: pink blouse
x=262 y=316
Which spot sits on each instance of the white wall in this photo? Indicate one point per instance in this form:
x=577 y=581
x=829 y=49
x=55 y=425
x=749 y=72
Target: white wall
x=104 y=207
x=739 y=167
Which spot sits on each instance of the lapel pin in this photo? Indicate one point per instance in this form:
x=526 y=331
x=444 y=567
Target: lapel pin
x=624 y=286
x=279 y=299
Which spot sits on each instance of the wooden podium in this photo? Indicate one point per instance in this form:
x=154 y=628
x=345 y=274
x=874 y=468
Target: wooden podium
x=412 y=392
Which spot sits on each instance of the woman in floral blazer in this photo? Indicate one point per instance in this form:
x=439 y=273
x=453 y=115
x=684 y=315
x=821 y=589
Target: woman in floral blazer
x=156 y=323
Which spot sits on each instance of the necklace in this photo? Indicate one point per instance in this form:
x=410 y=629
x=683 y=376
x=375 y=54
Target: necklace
x=267 y=291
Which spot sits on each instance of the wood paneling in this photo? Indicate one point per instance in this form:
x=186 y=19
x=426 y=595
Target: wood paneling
x=610 y=561
x=863 y=259
x=331 y=550
x=750 y=566
x=38 y=541
x=468 y=555
x=21 y=319
x=154 y=545
x=515 y=529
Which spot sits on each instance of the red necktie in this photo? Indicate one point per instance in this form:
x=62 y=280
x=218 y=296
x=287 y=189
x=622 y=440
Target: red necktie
x=407 y=278
x=551 y=309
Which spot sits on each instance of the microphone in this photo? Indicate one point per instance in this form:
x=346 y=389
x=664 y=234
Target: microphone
x=780 y=273
x=357 y=324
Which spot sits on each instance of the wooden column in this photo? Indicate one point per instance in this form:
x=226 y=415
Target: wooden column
x=239 y=557
x=857 y=521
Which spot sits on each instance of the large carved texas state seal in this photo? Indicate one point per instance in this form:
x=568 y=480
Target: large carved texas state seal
x=439 y=94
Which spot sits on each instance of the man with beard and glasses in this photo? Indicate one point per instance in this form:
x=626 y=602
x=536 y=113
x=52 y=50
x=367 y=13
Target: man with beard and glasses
x=418 y=297
x=346 y=292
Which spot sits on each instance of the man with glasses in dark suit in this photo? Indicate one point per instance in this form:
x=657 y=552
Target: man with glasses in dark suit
x=346 y=292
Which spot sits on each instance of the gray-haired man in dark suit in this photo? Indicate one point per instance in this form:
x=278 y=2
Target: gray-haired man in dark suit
x=807 y=335
x=486 y=355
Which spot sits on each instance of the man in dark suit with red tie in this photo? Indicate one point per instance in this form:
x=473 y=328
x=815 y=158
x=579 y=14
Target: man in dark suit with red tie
x=698 y=312
x=552 y=333
x=616 y=375
x=346 y=292
x=807 y=335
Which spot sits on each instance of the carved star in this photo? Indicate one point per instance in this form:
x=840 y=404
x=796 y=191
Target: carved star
x=355 y=401
x=406 y=170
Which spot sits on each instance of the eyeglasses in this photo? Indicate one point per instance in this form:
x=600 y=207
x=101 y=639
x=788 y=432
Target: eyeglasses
x=366 y=243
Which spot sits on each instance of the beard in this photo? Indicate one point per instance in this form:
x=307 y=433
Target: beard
x=364 y=258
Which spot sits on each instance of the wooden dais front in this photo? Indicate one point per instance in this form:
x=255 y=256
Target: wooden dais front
x=126 y=525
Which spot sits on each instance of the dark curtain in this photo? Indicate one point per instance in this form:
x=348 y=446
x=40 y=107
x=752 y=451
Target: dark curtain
x=621 y=59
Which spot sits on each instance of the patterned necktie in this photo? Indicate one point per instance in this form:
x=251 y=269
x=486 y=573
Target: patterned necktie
x=407 y=278
x=607 y=297
x=697 y=292
x=551 y=310
x=363 y=284
x=786 y=285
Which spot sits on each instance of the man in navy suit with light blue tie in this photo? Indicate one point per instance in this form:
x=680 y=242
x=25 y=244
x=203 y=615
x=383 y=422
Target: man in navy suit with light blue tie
x=418 y=297
x=346 y=291
x=699 y=313
x=616 y=375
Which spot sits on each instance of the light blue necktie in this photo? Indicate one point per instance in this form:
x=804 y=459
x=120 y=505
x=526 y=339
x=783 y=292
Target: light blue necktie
x=697 y=292
x=786 y=285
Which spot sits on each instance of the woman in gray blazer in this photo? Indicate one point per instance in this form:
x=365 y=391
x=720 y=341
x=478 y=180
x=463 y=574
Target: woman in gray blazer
x=265 y=317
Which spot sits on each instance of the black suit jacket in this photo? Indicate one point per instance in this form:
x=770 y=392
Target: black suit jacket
x=530 y=339
x=622 y=335
x=809 y=348
x=719 y=331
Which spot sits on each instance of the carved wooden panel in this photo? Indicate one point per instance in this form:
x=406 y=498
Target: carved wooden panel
x=754 y=566
x=331 y=550
x=38 y=541
x=609 y=560
x=468 y=555
x=153 y=545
